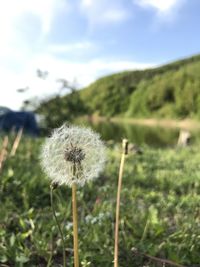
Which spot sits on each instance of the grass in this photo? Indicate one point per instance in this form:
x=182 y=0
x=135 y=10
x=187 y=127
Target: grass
x=159 y=213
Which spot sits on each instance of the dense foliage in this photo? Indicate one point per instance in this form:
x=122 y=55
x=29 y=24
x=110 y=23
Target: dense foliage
x=171 y=94
x=160 y=206
x=59 y=109
x=168 y=91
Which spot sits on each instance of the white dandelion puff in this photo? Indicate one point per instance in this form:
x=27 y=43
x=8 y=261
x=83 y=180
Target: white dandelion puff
x=73 y=155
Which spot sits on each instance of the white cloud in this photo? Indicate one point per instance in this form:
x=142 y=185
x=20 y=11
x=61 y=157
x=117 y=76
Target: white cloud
x=23 y=26
x=64 y=48
x=162 y=6
x=87 y=3
x=12 y=10
x=103 y=11
x=84 y=73
x=115 y=15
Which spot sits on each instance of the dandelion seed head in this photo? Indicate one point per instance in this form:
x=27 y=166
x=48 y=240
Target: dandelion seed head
x=72 y=155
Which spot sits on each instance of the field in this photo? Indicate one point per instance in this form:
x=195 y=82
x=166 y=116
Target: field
x=160 y=210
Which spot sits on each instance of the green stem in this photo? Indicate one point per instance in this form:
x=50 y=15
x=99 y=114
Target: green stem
x=145 y=229
x=59 y=228
x=51 y=255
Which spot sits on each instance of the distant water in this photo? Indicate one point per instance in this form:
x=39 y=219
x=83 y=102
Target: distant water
x=140 y=135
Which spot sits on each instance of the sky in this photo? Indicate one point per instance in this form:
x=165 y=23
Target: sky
x=82 y=40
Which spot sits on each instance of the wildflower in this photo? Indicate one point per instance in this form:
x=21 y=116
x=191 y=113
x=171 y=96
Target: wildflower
x=72 y=155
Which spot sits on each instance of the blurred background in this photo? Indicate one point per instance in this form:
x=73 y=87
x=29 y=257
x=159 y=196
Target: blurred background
x=64 y=59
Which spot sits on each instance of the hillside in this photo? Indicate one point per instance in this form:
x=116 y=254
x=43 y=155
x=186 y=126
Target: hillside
x=169 y=91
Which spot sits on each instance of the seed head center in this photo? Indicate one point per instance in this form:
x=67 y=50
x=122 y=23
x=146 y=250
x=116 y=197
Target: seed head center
x=74 y=154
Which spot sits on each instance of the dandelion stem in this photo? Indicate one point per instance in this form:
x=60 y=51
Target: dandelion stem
x=124 y=153
x=75 y=226
x=3 y=152
x=75 y=221
x=16 y=142
x=59 y=228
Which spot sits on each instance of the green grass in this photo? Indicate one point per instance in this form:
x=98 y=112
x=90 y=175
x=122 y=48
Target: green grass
x=160 y=210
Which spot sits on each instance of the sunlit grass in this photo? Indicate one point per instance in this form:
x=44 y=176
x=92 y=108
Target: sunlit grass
x=159 y=213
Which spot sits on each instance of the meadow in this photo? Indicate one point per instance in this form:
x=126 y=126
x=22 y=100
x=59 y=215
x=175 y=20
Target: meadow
x=159 y=212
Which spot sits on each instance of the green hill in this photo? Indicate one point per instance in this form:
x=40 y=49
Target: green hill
x=172 y=90
x=169 y=91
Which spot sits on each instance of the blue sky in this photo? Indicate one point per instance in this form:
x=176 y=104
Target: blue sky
x=81 y=40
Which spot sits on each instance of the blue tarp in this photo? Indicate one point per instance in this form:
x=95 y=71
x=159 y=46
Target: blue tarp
x=18 y=119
